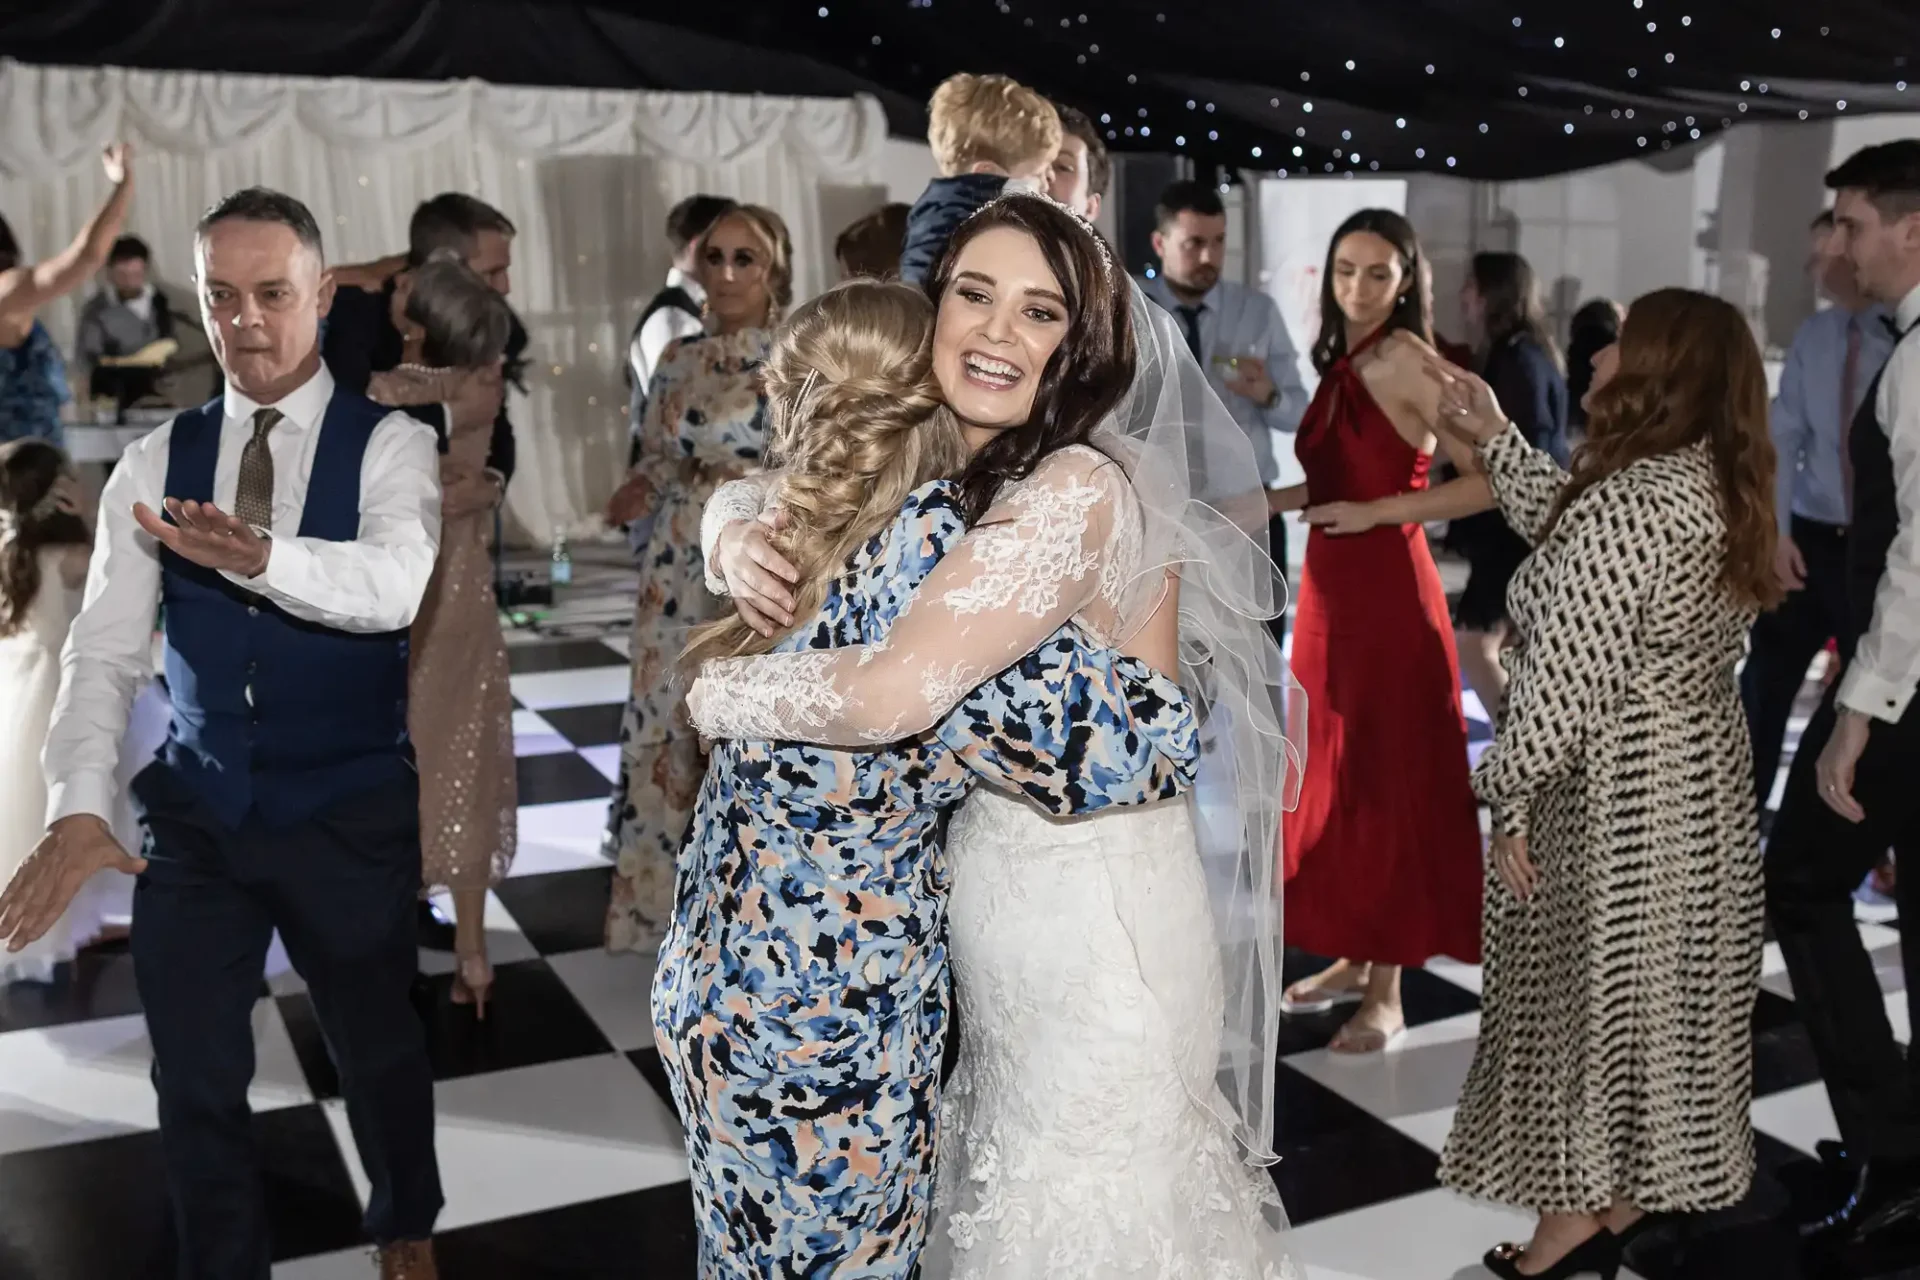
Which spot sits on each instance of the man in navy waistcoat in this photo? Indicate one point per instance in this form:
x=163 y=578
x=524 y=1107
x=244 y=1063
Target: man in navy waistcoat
x=289 y=530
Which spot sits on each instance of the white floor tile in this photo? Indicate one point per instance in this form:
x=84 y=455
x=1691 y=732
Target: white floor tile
x=1435 y=1235
x=614 y=990
x=1428 y=1128
x=606 y=759
x=1468 y=976
x=1423 y=1072
x=1798 y=1117
x=87 y=1080
x=561 y=837
x=586 y=687
x=533 y=736
x=518 y=1142
x=353 y=1264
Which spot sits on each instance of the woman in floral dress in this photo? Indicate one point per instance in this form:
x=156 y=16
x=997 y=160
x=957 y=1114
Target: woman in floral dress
x=705 y=425
x=800 y=1003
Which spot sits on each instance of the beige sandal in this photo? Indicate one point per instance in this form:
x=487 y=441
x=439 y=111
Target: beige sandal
x=1296 y=1001
x=1355 y=1042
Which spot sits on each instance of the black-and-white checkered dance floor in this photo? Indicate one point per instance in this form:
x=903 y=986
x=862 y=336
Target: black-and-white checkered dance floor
x=559 y=1147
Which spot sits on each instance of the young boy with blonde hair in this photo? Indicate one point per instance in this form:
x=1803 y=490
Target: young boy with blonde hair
x=987 y=132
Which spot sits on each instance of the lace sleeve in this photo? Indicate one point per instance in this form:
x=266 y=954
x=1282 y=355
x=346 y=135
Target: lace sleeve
x=742 y=499
x=1525 y=481
x=1038 y=558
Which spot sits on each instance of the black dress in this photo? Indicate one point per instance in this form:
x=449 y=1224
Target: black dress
x=1533 y=392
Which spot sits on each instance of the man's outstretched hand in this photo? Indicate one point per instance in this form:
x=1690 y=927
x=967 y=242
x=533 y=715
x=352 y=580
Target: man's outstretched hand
x=69 y=855
x=208 y=536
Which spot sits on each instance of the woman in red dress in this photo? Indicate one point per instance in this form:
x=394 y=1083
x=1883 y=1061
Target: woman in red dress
x=1382 y=856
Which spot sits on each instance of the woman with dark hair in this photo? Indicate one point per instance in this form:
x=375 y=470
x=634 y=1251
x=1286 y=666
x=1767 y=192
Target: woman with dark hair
x=1091 y=984
x=1595 y=327
x=1517 y=358
x=1382 y=856
x=33 y=377
x=1623 y=932
x=43 y=565
x=459 y=709
x=705 y=424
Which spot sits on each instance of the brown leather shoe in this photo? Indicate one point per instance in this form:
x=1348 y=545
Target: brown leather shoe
x=408 y=1260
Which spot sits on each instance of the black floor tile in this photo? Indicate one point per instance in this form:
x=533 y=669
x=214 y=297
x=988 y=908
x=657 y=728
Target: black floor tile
x=642 y=1234
x=531 y=1018
x=648 y=1061
x=562 y=911
x=597 y=726
x=564 y=655
x=1756 y=1239
x=1782 y=1054
x=1336 y=1157
x=97 y=983
x=558 y=778
x=98 y=1210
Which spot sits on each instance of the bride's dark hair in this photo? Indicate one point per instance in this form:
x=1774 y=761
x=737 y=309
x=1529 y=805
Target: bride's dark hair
x=1094 y=365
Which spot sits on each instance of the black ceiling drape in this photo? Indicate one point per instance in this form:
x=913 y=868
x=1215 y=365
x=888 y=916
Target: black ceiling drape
x=1507 y=90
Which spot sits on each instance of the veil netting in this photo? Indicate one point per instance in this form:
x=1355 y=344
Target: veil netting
x=1204 y=515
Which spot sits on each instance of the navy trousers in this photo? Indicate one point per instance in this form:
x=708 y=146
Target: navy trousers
x=341 y=889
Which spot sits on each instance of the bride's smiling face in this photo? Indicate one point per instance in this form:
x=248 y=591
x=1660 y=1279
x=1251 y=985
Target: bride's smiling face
x=1001 y=319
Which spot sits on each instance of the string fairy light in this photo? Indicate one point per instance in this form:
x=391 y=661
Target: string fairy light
x=1244 y=138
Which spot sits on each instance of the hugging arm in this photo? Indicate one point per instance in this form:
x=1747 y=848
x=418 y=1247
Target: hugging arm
x=1077 y=729
x=1038 y=558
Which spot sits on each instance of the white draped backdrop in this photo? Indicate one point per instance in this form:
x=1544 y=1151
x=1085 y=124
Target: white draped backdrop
x=587 y=175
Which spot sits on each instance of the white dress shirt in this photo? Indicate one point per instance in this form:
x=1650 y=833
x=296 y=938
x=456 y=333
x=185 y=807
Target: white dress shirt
x=1237 y=321
x=141 y=304
x=370 y=585
x=1886 y=667
x=662 y=328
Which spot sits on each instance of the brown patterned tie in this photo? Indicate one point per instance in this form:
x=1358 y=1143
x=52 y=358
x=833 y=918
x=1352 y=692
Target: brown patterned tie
x=253 y=502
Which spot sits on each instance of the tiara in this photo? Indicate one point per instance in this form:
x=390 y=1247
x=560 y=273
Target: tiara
x=1085 y=224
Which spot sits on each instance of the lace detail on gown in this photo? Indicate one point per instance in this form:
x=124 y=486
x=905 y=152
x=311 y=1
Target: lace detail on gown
x=1057 y=546
x=1070 y=1144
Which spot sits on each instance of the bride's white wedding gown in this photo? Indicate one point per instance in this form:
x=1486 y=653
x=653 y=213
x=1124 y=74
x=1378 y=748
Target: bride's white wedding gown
x=1070 y=1145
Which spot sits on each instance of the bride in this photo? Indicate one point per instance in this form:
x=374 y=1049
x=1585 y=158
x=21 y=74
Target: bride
x=1110 y=1110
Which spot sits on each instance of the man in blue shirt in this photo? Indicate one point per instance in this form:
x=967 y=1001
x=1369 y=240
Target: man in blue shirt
x=1833 y=360
x=1236 y=333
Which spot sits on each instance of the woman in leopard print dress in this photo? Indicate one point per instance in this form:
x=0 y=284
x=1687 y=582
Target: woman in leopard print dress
x=1623 y=917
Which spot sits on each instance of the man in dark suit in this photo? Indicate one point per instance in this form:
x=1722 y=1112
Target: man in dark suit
x=363 y=335
x=1851 y=794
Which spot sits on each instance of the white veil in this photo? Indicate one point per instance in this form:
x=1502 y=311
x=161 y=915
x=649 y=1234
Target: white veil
x=1205 y=514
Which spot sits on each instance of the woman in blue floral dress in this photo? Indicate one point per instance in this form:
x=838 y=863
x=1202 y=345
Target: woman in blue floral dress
x=801 y=998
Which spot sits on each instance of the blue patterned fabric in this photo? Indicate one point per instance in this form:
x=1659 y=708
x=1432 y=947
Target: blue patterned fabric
x=33 y=386
x=800 y=1003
